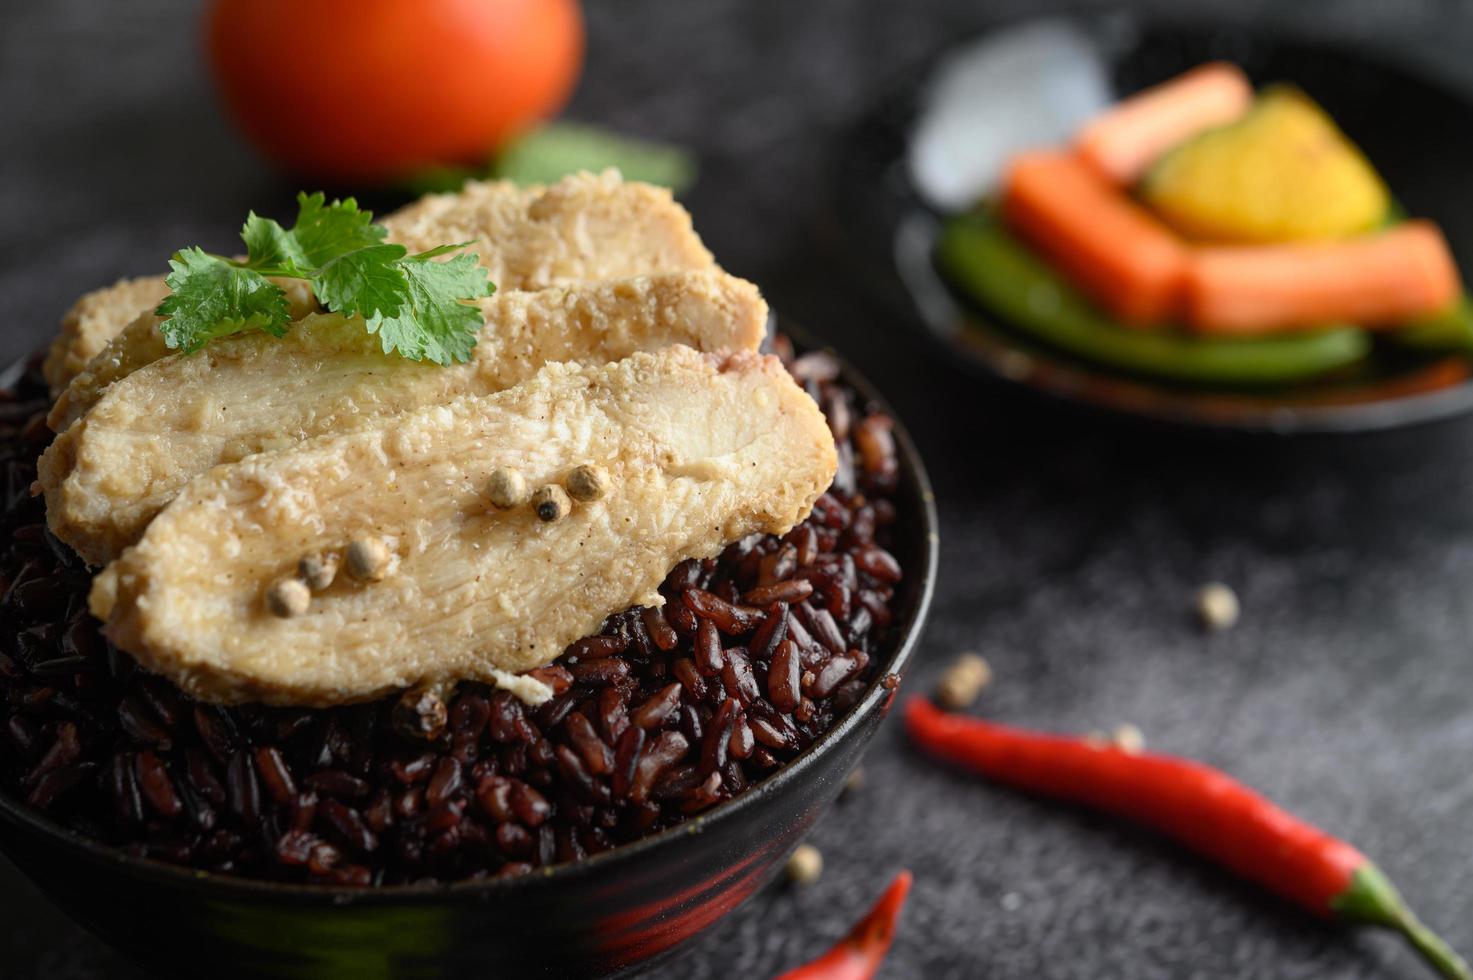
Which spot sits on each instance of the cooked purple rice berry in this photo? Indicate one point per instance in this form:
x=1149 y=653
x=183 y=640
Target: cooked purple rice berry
x=667 y=712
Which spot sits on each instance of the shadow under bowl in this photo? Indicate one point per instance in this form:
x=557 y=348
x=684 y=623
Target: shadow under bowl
x=608 y=915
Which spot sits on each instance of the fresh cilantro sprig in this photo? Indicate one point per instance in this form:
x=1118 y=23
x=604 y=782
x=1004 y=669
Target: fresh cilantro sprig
x=418 y=306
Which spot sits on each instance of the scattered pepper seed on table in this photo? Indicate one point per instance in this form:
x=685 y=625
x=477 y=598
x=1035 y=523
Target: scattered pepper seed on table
x=506 y=488
x=288 y=596
x=587 y=482
x=1217 y=606
x=963 y=681
x=1201 y=808
x=805 y=864
x=368 y=559
x=1128 y=738
x=551 y=503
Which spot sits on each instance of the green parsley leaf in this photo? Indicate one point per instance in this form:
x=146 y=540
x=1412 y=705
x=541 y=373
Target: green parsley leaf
x=213 y=297
x=434 y=323
x=325 y=233
x=417 y=306
x=270 y=246
x=368 y=282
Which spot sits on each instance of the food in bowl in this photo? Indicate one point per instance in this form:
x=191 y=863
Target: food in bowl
x=255 y=391
x=438 y=583
x=585 y=227
x=1206 y=234
x=762 y=590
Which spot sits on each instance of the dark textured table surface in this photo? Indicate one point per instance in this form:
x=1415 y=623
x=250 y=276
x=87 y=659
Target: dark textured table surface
x=1071 y=547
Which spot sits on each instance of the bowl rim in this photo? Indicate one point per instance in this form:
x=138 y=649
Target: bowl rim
x=913 y=476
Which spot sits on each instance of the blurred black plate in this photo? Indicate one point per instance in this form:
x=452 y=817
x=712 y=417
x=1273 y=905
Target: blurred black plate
x=1408 y=125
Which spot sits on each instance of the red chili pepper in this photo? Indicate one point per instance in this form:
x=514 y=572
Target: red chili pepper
x=1202 y=808
x=858 y=955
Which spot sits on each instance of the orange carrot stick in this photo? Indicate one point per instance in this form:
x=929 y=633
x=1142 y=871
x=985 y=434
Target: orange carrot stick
x=1123 y=142
x=1109 y=246
x=1382 y=279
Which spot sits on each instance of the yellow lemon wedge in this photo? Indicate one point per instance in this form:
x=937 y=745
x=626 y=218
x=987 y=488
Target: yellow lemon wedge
x=1284 y=172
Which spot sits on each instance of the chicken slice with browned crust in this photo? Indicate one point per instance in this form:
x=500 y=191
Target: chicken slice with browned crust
x=699 y=450
x=93 y=320
x=585 y=226
x=99 y=316
x=152 y=432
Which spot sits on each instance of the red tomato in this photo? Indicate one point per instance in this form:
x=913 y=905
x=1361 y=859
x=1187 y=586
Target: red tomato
x=369 y=90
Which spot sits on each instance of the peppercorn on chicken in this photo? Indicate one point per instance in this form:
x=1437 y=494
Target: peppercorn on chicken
x=154 y=430
x=695 y=450
x=586 y=226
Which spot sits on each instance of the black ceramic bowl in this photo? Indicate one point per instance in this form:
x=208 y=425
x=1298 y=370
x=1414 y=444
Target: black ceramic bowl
x=607 y=915
x=1397 y=113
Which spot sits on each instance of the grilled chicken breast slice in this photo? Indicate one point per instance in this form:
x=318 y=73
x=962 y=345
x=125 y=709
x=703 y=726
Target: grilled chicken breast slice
x=93 y=320
x=585 y=226
x=139 y=344
x=99 y=316
x=153 y=431
x=700 y=449
x=103 y=314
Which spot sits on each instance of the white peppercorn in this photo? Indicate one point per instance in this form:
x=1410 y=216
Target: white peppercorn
x=319 y=569
x=963 y=682
x=420 y=713
x=506 y=488
x=587 y=482
x=1217 y=606
x=805 y=864
x=368 y=559
x=551 y=503
x=1129 y=739
x=288 y=596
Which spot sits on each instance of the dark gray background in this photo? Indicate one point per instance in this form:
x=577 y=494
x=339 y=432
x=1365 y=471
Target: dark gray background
x=1071 y=547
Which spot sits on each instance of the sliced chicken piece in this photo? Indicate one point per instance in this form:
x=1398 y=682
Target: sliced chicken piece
x=102 y=314
x=136 y=345
x=95 y=319
x=99 y=316
x=153 y=431
x=586 y=226
x=700 y=450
